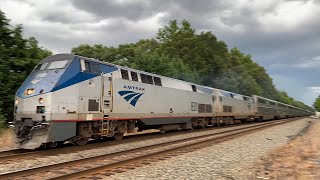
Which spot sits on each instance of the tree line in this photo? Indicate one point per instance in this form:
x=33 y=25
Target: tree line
x=177 y=51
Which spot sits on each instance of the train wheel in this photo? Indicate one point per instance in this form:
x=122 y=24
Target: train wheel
x=205 y=122
x=224 y=121
x=259 y=119
x=194 y=122
x=60 y=143
x=230 y=120
x=82 y=141
x=218 y=121
x=118 y=136
x=52 y=145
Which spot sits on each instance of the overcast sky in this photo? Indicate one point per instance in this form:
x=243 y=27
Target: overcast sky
x=281 y=35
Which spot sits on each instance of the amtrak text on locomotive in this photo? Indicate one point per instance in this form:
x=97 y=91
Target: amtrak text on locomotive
x=134 y=88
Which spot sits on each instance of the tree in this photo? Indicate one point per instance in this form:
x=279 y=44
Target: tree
x=203 y=53
x=316 y=104
x=18 y=56
x=2 y=118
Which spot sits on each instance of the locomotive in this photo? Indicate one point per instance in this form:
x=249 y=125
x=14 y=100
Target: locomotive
x=72 y=98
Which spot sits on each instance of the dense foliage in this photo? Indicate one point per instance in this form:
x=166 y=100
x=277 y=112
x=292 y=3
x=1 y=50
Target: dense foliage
x=18 y=56
x=180 y=52
x=316 y=104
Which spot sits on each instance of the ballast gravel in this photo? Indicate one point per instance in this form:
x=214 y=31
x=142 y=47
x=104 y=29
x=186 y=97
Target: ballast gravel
x=234 y=159
x=229 y=160
x=60 y=158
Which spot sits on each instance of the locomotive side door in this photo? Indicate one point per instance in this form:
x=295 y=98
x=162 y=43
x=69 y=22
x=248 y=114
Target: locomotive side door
x=89 y=91
x=106 y=93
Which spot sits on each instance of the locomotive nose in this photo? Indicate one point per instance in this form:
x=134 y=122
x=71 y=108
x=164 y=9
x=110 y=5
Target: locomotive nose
x=36 y=107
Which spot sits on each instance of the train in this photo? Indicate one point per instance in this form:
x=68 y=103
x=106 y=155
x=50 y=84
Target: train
x=71 y=98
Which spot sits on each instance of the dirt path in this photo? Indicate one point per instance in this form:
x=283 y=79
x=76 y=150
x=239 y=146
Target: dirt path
x=6 y=140
x=299 y=159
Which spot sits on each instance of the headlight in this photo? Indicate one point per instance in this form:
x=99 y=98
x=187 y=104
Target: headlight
x=41 y=100
x=29 y=91
x=16 y=102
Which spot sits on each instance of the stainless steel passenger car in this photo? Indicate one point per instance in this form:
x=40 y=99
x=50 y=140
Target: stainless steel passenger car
x=267 y=109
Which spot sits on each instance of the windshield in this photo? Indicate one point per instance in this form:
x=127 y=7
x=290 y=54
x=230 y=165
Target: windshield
x=53 y=65
x=58 y=64
x=41 y=66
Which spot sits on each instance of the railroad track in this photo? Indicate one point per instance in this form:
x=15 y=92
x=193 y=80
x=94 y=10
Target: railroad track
x=12 y=152
x=14 y=155
x=111 y=163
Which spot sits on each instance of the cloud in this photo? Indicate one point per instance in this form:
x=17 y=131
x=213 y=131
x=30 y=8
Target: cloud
x=133 y=10
x=60 y=29
x=311 y=94
x=288 y=15
x=314 y=89
x=256 y=27
x=138 y=9
x=303 y=63
x=312 y=63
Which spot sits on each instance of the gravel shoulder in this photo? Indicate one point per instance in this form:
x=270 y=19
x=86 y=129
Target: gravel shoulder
x=7 y=140
x=299 y=159
x=235 y=159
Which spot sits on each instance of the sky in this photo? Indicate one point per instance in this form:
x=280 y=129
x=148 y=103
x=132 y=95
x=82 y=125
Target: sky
x=281 y=35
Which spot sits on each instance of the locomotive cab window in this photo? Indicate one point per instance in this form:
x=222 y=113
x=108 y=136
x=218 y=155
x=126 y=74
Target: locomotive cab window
x=124 y=74
x=87 y=67
x=95 y=68
x=91 y=67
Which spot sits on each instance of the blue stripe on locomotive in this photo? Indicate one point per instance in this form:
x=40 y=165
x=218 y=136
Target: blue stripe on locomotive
x=58 y=79
x=73 y=74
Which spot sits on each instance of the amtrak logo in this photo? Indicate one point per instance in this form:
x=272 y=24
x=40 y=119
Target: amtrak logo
x=134 y=88
x=131 y=96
